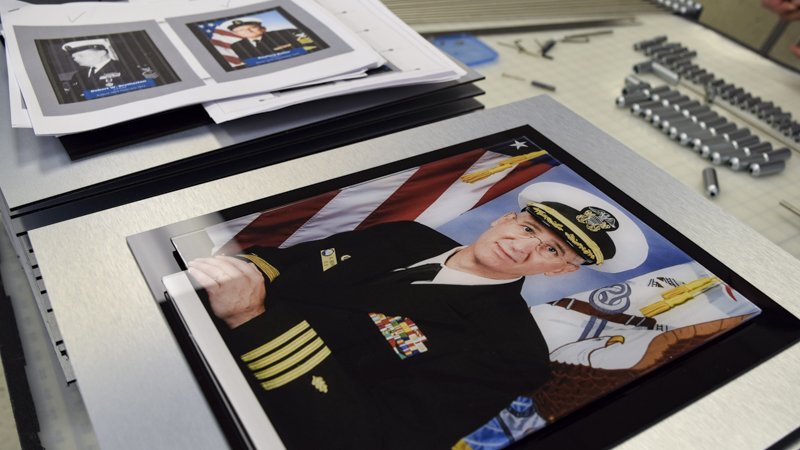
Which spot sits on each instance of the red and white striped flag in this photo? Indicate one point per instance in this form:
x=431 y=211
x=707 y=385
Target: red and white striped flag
x=222 y=40
x=431 y=194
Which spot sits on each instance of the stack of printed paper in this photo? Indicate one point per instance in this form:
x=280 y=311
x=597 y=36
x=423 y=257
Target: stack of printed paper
x=83 y=66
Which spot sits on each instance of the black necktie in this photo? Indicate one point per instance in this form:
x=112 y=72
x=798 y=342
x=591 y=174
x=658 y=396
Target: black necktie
x=424 y=272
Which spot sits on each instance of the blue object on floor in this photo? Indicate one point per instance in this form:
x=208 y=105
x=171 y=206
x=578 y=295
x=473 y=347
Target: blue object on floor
x=465 y=48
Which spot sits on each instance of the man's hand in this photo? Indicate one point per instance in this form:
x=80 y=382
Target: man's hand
x=786 y=10
x=235 y=287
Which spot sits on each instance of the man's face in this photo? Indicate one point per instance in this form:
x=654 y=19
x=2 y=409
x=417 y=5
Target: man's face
x=508 y=249
x=249 y=31
x=89 y=57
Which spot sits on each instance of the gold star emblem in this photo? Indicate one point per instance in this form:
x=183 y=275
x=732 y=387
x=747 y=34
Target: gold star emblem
x=319 y=384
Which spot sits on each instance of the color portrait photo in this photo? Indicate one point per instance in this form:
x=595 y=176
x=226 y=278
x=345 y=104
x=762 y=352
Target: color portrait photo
x=90 y=67
x=254 y=39
x=474 y=299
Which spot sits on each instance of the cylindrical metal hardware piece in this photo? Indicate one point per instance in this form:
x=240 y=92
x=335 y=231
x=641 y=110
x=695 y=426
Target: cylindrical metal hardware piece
x=665 y=74
x=698 y=144
x=641 y=45
x=767 y=168
x=624 y=100
x=761 y=147
x=695 y=110
x=741 y=132
x=673 y=100
x=717 y=130
x=743 y=142
x=643 y=67
x=712 y=122
x=639 y=108
x=706 y=150
x=710 y=181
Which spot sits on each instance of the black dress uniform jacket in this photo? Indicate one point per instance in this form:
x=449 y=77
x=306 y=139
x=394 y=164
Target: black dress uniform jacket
x=344 y=386
x=271 y=42
x=113 y=73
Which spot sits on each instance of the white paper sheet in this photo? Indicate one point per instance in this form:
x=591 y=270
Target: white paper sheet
x=411 y=60
x=170 y=54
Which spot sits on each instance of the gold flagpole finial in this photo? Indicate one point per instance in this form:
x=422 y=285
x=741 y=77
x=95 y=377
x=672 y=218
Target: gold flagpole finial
x=501 y=166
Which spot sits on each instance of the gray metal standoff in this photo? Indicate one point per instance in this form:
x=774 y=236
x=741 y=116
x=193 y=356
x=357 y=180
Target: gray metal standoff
x=723 y=88
x=658 y=48
x=695 y=73
x=746 y=141
x=631 y=98
x=710 y=181
x=715 y=83
x=697 y=144
x=675 y=100
x=767 y=168
x=657 y=119
x=732 y=135
x=683 y=69
x=665 y=95
x=707 y=149
x=758 y=107
x=761 y=147
x=744 y=162
x=641 y=45
x=764 y=113
x=717 y=130
x=730 y=93
x=676 y=130
x=721 y=156
x=779 y=118
x=633 y=80
x=679 y=62
x=666 y=125
x=691 y=104
x=666 y=52
x=712 y=122
x=697 y=118
x=703 y=79
x=738 y=98
x=665 y=74
x=643 y=67
x=749 y=103
x=638 y=109
x=687 y=137
x=792 y=129
x=695 y=110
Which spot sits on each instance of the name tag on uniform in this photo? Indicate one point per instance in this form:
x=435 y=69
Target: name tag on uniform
x=403 y=334
x=328 y=258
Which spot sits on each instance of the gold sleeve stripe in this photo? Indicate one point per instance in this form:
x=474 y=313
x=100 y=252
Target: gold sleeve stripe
x=290 y=361
x=270 y=271
x=297 y=372
x=283 y=352
x=275 y=343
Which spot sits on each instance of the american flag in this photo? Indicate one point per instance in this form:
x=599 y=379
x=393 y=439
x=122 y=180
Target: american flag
x=431 y=194
x=221 y=39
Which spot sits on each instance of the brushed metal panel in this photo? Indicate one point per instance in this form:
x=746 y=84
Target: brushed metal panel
x=140 y=393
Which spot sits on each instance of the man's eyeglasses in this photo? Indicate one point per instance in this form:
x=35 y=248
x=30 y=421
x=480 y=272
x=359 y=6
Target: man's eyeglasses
x=545 y=249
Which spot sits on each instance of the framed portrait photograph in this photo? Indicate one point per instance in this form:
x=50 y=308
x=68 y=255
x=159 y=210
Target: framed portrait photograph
x=260 y=37
x=90 y=67
x=491 y=294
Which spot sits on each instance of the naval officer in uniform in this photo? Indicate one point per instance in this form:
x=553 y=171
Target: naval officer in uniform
x=257 y=41
x=396 y=336
x=97 y=68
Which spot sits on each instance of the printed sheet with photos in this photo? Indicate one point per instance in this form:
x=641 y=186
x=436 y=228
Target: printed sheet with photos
x=555 y=299
x=83 y=66
x=410 y=59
